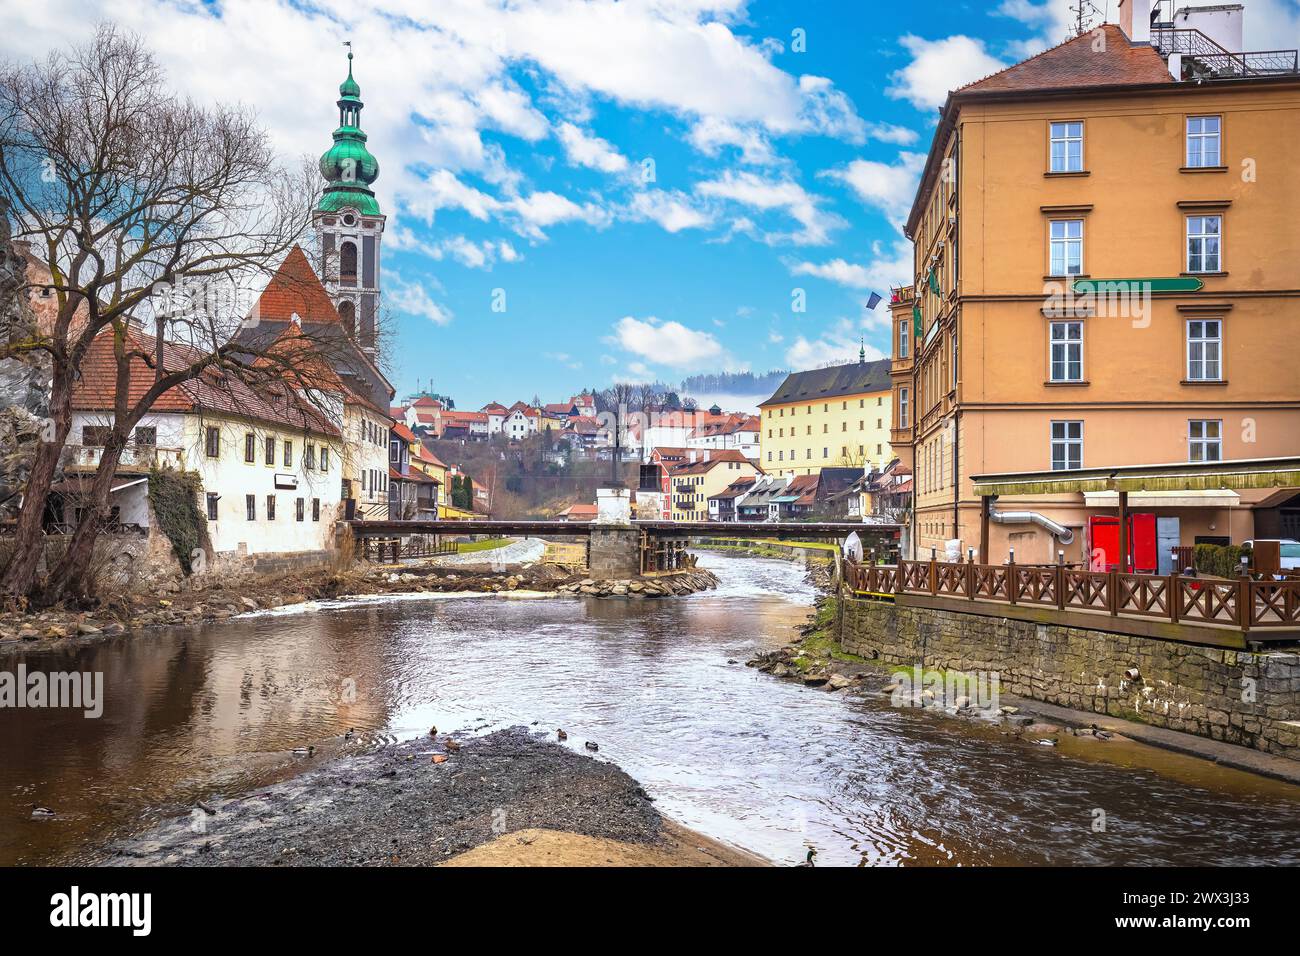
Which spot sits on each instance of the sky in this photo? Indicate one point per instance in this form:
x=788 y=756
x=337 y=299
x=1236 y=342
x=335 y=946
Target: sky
x=580 y=192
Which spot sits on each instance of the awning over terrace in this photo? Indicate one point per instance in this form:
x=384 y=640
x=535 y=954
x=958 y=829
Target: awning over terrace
x=1191 y=478
x=1180 y=476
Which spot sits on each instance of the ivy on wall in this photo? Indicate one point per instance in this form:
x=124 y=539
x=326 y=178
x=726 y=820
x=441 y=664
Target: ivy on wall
x=174 y=497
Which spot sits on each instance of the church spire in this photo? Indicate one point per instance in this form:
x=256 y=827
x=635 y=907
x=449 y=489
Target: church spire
x=862 y=350
x=348 y=166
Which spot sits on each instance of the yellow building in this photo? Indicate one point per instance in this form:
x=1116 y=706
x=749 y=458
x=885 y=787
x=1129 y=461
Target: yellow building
x=837 y=416
x=693 y=481
x=1105 y=246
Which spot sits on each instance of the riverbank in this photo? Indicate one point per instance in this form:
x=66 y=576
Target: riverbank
x=510 y=798
x=489 y=574
x=816 y=658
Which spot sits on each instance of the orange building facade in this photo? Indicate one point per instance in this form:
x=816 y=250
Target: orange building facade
x=1106 y=244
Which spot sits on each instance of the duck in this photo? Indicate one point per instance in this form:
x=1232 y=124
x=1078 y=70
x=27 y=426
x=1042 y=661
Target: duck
x=303 y=751
x=451 y=745
x=42 y=812
x=350 y=732
x=592 y=746
x=561 y=735
x=1046 y=742
x=808 y=860
x=433 y=731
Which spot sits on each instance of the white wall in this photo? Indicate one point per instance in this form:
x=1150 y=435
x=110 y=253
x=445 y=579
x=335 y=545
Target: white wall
x=231 y=477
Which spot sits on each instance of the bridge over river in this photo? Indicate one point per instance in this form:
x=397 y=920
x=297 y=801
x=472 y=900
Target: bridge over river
x=624 y=550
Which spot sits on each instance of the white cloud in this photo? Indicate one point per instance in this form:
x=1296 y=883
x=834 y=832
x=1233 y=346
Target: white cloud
x=888 y=268
x=414 y=298
x=889 y=188
x=836 y=346
x=673 y=211
x=776 y=194
x=587 y=149
x=564 y=358
x=939 y=66
x=668 y=343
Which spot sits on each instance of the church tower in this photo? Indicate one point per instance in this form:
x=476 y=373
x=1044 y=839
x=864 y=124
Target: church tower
x=348 y=222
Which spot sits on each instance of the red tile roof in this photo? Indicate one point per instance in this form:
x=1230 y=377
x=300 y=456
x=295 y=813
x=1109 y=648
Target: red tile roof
x=404 y=433
x=1078 y=63
x=580 y=512
x=295 y=290
x=212 y=390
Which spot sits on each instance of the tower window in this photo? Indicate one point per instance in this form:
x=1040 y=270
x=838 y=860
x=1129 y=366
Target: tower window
x=348 y=263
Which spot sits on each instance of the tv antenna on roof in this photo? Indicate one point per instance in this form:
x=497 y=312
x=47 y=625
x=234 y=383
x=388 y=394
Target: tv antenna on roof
x=1085 y=13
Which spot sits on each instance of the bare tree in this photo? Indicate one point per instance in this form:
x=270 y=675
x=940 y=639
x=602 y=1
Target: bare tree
x=138 y=202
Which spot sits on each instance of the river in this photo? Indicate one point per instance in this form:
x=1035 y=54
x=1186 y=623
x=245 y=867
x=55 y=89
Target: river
x=767 y=765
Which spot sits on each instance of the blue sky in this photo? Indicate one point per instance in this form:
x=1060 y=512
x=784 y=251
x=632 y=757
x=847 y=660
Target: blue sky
x=513 y=139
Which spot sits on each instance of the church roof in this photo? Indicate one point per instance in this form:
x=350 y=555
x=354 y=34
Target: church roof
x=295 y=290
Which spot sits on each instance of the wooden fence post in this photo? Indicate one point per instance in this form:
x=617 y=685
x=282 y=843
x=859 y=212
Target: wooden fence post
x=1060 y=580
x=934 y=573
x=1175 y=596
x=1245 y=600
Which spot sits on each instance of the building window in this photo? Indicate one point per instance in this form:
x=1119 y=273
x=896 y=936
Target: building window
x=1066 y=246
x=146 y=437
x=95 y=436
x=212 y=506
x=270 y=507
x=904 y=344
x=315 y=509
x=268 y=450
x=1205 y=439
x=902 y=408
x=395 y=451
x=250 y=507
x=299 y=508
x=1203 y=243
x=1067 y=351
x=1204 y=346
x=250 y=448
x=1203 y=141
x=324 y=458
x=310 y=458
x=212 y=443
x=1067 y=445
x=1067 y=148
x=288 y=453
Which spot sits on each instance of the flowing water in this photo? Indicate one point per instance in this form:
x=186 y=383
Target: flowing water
x=767 y=765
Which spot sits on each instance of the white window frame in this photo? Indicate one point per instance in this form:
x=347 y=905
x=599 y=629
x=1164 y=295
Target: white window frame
x=1064 y=242
x=1197 y=134
x=904 y=338
x=1200 y=340
x=1066 y=345
x=1062 y=133
x=1203 y=236
x=1200 y=441
x=1066 y=442
x=903 y=408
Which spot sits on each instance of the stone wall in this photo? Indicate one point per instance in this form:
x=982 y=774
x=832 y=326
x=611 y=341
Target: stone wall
x=615 y=552
x=1240 y=697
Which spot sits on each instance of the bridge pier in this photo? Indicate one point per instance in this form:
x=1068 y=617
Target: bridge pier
x=615 y=552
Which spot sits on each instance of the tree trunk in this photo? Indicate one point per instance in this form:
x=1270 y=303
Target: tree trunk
x=18 y=579
x=72 y=576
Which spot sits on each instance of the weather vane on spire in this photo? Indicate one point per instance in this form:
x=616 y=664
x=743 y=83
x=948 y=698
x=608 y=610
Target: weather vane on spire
x=348 y=44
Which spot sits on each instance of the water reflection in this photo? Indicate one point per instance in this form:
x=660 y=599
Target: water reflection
x=770 y=766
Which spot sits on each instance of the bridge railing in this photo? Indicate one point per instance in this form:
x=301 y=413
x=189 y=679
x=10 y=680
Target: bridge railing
x=1243 y=603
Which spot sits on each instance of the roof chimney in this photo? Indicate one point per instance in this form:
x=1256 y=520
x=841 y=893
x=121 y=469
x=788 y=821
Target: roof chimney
x=1135 y=19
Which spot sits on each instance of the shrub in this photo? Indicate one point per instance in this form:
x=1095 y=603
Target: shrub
x=1221 y=560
